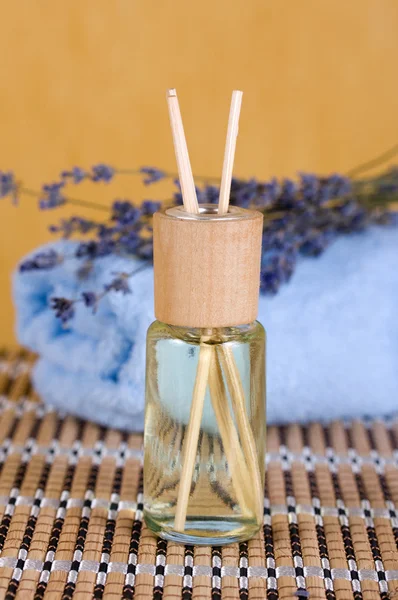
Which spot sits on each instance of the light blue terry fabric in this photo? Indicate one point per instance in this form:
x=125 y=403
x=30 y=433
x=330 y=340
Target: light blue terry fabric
x=332 y=336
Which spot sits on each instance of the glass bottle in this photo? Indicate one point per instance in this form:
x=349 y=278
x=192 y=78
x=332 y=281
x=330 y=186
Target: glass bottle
x=224 y=504
x=205 y=424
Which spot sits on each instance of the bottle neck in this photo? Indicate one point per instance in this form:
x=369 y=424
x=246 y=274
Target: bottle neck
x=218 y=335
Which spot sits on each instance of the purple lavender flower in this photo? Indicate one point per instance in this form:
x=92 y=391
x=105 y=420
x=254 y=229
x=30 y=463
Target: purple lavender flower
x=67 y=227
x=8 y=185
x=317 y=242
x=52 y=196
x=348 y=208
x=246 y=193
x=125 y=213
x=129 y=242
x=64 y=308
x=341 y=186
x=153 y=175
x=149 y=207
x=288 y=195
x=102 y=172
x=211 y=194
x=94 y=249
x=309 y=187
x=41 y=261
x=270 y=280
x=119 y=284
x=90 y=300
x=267 y=194
x=76 y=175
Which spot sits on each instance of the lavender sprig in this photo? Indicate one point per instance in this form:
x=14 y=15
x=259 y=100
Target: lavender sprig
x=301 y=217
x=8 y=186
x=42 y=261
x=64 y=308
x=152 y=174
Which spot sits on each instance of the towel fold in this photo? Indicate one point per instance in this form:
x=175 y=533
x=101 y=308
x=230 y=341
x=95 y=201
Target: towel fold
x=332 y=336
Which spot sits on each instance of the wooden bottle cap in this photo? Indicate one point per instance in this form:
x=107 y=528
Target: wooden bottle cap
x=207 y=266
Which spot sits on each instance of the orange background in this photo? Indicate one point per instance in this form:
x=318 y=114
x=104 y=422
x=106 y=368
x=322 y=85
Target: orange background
x=84 y=81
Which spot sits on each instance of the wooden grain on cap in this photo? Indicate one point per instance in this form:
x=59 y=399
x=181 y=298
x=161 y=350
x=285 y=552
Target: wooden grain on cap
x=207 y=271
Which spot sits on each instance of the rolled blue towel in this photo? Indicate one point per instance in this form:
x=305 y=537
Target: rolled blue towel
x=332 y=336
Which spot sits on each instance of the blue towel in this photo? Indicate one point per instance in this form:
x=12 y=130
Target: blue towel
x=332 y=336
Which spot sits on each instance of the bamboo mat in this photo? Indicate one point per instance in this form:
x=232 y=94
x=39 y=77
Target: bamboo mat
x=71 y=513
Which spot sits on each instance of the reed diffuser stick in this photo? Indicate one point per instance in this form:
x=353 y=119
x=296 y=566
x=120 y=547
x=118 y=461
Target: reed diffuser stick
x=190 y=202
x=246 y=435
x=229 y=154
x=187 y=183
x=192 y=435
x=227 y=358
x=233 y=452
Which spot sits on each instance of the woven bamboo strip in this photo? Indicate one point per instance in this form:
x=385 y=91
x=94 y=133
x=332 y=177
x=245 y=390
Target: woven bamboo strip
x=372 y=487
x=306 y=523
x=230 y=584
x=96 y=529
x=257 y=585
x=280 y=523
x=42 y=532
x=173 y=582
x=201 y=584
x=13 y=459
x=71 y=525
x=382 y=439
x=124 y=522
x=147 y=554
x=335 y=545
x=17 y=528
x=351 y=498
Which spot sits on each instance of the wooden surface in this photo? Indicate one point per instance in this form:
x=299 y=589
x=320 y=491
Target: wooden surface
x=84 y=82
x=207 y=272
x=71 y=520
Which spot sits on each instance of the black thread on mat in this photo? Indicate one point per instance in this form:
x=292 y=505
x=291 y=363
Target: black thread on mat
x=32 y=519
x=370 y=528
x=294 y=533
x=160 y=563
x=18 y=479
x=84 y=520
x=15 y=422
x=344 y=523
x=128 y=588
x=243 y=571
x=110 y=527
x=60 y=516
x=216 y=558
x=186 y=593
x=272 y=582
x=319 y=527
x=384 y=487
